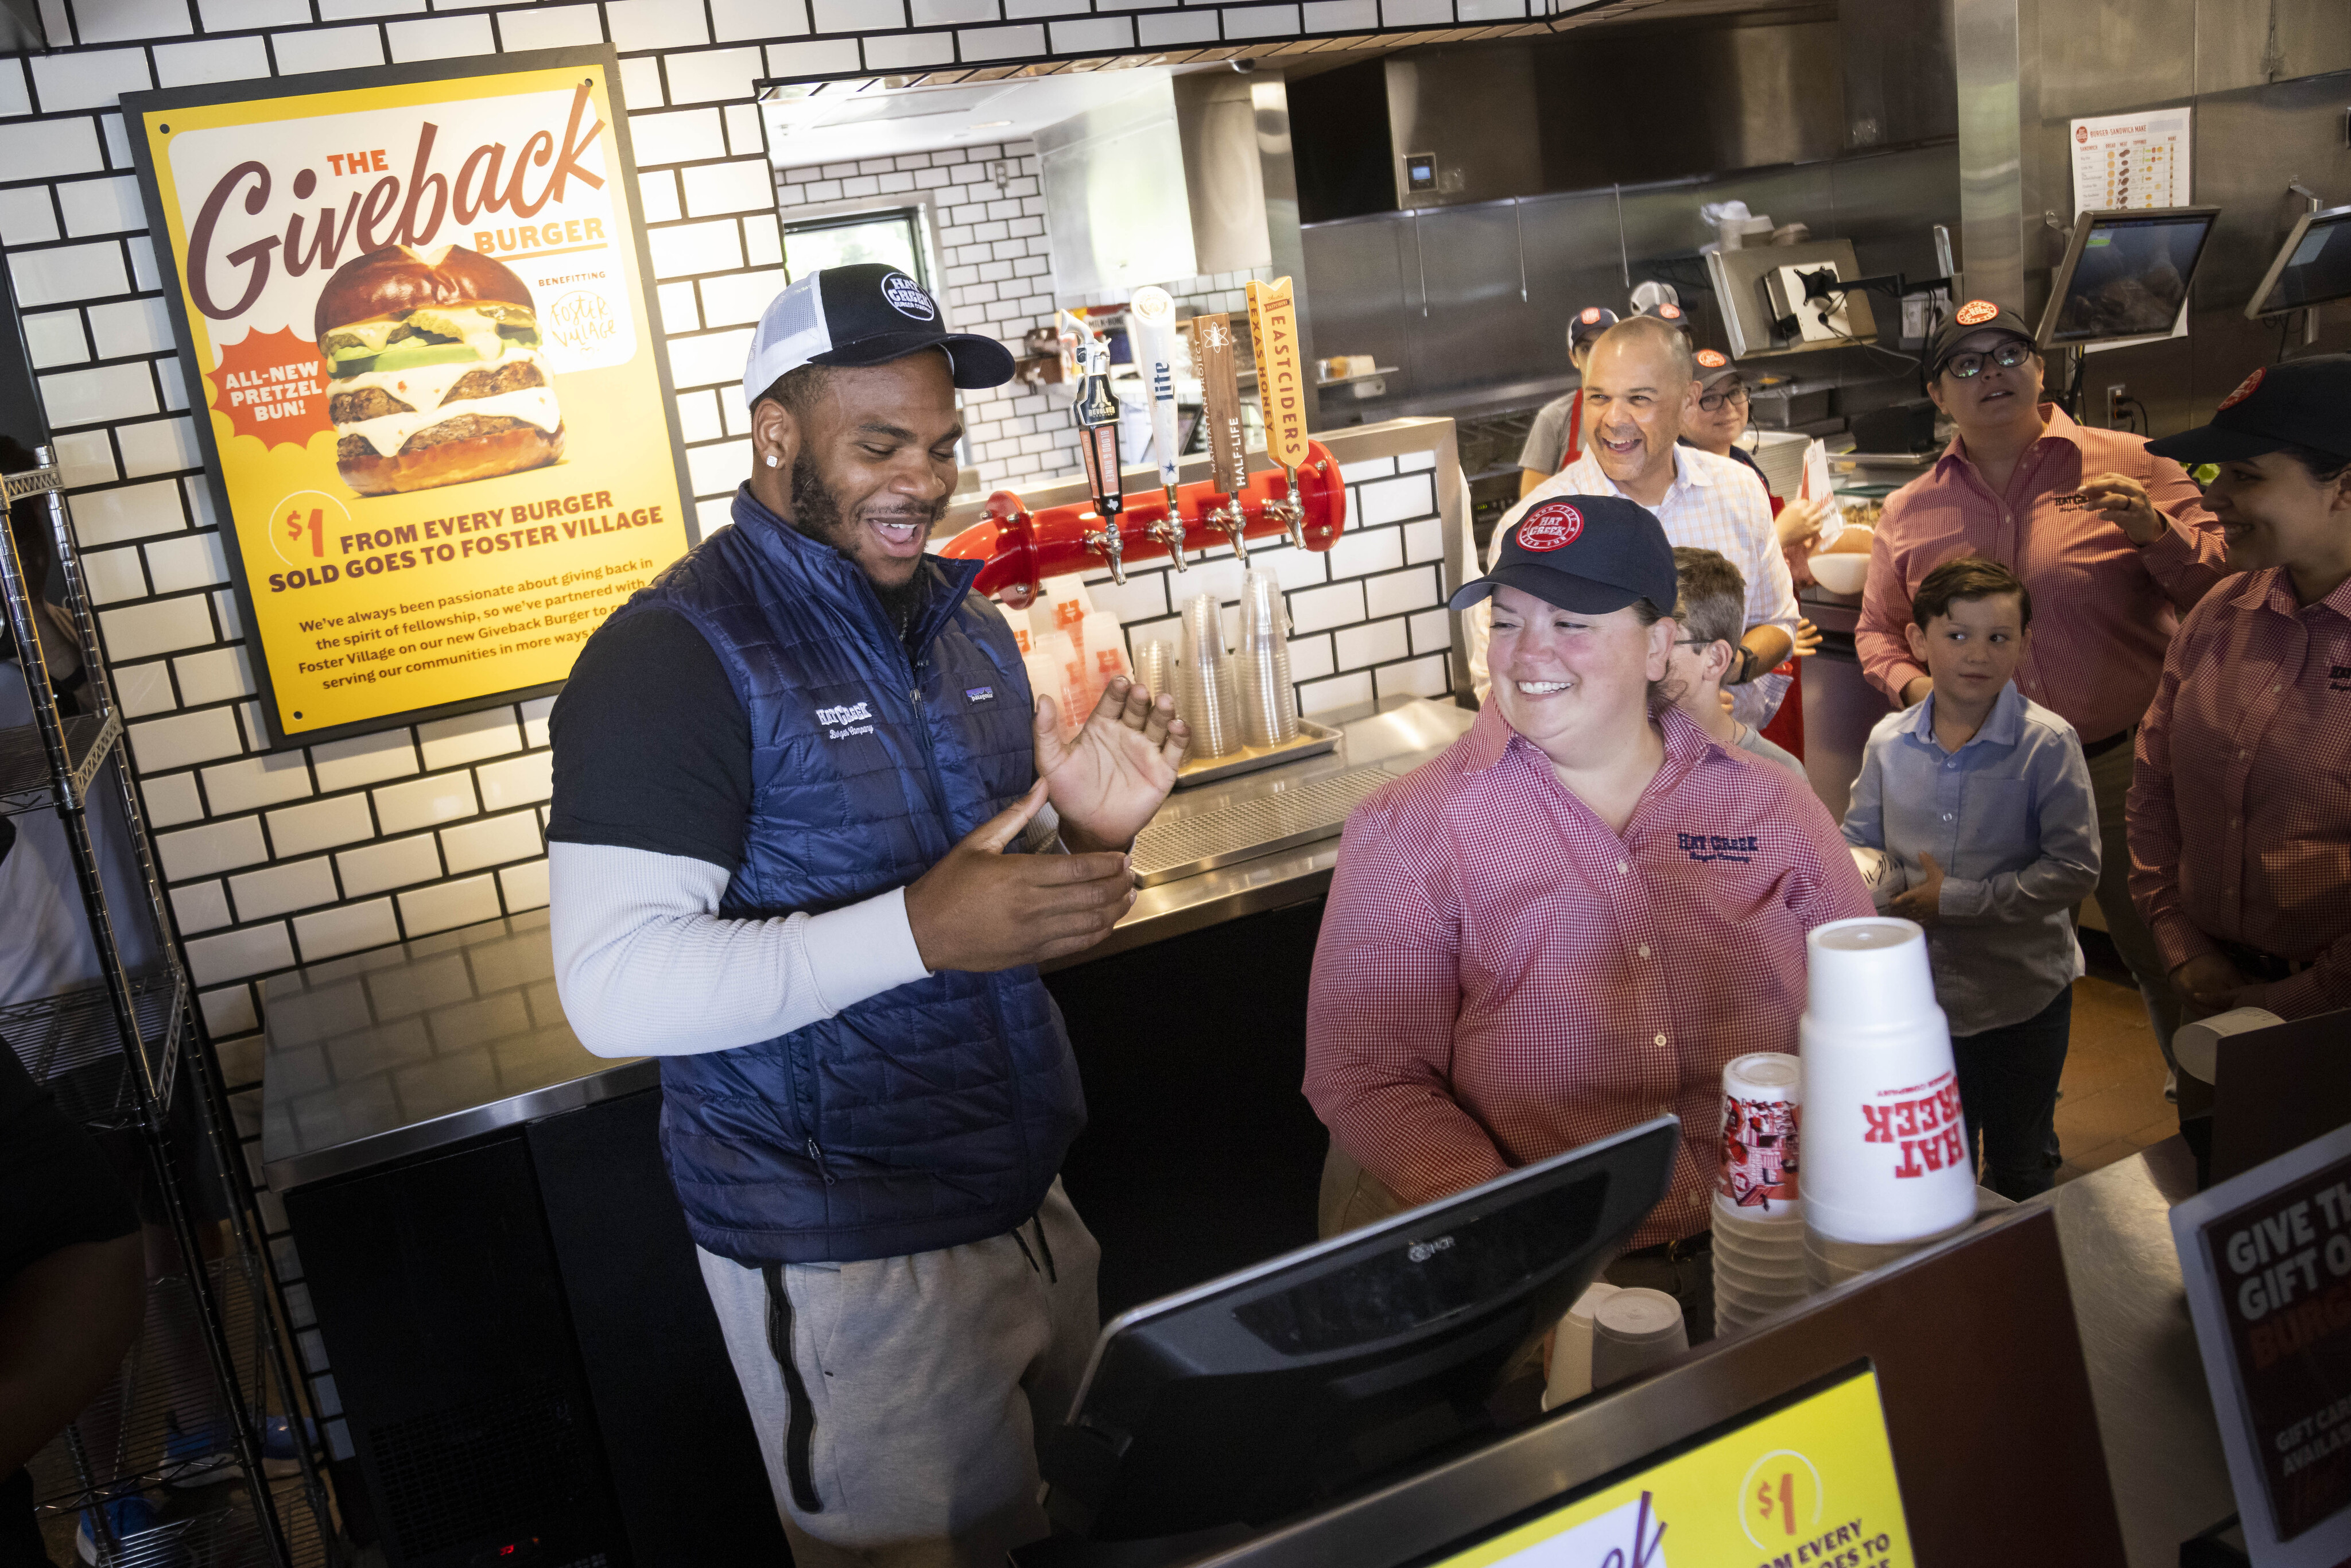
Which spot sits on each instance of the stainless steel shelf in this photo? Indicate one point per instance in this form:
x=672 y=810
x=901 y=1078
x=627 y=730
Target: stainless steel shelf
x=70 y=1044
x=24 y=782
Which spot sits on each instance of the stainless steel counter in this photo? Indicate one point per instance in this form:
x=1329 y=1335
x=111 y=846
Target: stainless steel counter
x=2155 y=1416
x=389 y=1053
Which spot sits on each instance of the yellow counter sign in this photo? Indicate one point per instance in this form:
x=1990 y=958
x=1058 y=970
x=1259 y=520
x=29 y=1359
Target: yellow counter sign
x=1810 y=1485
x=439 y=421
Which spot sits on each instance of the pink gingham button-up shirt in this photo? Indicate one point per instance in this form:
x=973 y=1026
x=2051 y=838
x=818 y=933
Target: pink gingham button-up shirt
x=2103 y=609
x=1501 y=978
x=2240 y=801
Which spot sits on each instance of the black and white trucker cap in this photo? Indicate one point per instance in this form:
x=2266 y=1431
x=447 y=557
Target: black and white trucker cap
x=864 y=315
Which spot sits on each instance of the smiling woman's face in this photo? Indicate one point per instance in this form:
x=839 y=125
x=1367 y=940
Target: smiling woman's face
x=1569 y=681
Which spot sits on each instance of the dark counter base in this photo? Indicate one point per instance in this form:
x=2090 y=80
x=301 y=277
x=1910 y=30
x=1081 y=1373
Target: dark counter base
x=1200 y=1153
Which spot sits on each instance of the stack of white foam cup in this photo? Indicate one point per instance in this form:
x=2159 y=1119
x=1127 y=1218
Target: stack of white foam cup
x=1759 y=1211
x=1570 y=1348
x=1633 y=1331
x=1886 y=1167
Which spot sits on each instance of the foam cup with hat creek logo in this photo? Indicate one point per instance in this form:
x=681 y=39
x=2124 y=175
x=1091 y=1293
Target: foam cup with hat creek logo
x=1885 y=1154
x=1553 y=526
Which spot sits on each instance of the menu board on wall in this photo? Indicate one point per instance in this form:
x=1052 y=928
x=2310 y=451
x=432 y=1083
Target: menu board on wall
x=441 y=437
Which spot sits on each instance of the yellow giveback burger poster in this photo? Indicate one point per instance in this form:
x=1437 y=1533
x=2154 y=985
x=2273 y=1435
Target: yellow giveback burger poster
x=435 y=412
x=1809 y=1485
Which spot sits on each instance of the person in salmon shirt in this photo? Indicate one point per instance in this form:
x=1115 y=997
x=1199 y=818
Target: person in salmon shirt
x=2113 y=542
x=1569 y=922
x=2241 y=808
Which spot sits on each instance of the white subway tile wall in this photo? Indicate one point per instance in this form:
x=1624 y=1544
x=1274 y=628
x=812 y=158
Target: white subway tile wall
x=341 y=845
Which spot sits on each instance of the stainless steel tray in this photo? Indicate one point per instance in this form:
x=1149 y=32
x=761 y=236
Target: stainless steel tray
x=1313 y=739
x=1304 y=812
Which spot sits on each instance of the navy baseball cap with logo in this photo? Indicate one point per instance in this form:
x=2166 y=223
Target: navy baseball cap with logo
x=1976 y=316
x=863 y=315
x=1589 y=323
x=1591 y=554
x=1671 y=314
x=1713 y=368
x=2302 y=402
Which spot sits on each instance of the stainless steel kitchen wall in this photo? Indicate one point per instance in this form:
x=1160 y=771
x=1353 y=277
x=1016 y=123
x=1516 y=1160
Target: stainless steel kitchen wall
x=2269 y=82
x=1437 y=293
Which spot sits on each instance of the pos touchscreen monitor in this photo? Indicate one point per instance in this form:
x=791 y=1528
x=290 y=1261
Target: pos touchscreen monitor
x=2312 y=267
x=2125 y=275
x=1280 y=1387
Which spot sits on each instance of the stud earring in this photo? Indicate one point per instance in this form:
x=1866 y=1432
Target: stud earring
x=771 y=460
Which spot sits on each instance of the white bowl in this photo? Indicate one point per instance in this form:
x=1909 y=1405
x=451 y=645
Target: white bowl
x=1841 y=573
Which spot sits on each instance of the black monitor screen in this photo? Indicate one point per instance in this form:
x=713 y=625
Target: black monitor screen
x=2319 y=270
x=1268 y=1392
x=2131 y=279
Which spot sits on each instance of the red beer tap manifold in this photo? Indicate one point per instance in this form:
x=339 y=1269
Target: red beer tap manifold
x=1022 y=549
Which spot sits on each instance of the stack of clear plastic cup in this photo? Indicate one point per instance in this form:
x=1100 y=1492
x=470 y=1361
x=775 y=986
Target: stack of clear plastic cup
x=1262 y=668
x=1758 y=1212
x=1204 y=691
x=1887 y=1168
x=1155 y=668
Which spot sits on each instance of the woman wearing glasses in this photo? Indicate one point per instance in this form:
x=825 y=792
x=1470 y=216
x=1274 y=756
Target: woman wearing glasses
x=1721 y=420
x=2114 y=542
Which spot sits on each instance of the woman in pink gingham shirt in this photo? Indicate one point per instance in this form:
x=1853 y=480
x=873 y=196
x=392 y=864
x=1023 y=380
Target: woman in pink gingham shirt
x=1571 y=921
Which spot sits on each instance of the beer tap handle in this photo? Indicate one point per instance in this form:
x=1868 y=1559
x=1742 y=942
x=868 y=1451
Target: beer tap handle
x=1097 y=415
x=1152 y=322
x=1293 y=513
x=1220 y=395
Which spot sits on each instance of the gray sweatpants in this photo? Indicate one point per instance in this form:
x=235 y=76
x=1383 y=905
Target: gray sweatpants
x=900 y=1426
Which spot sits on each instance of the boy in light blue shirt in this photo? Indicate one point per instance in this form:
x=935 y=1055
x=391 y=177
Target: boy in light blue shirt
x=1978 y=802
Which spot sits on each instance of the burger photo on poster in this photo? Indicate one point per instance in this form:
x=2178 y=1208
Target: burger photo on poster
x=434 y=374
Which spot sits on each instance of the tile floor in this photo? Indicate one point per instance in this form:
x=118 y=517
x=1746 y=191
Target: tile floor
x=2112 y=1104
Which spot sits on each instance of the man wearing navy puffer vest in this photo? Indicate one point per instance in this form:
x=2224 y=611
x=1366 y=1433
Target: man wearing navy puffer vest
x=811 y=836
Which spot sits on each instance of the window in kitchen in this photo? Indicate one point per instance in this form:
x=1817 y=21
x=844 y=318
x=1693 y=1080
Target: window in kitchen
x=892 y=237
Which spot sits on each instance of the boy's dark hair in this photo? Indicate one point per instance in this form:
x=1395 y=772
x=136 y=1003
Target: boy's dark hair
x=1969 y=577
x=1713 y=607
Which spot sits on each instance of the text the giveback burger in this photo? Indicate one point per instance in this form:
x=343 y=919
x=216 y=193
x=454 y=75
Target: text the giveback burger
x=433 y=370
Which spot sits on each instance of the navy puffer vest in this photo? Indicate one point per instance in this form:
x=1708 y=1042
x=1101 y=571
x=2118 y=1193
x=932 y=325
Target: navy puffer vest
x=935 y=1113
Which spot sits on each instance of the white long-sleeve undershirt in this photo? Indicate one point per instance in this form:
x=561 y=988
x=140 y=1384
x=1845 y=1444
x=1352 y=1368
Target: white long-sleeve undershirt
x=646 y=966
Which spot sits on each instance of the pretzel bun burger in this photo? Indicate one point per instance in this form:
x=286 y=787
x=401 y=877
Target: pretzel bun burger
x=433 y=373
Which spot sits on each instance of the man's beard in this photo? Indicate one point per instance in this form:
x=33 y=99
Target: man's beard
x=815 y=513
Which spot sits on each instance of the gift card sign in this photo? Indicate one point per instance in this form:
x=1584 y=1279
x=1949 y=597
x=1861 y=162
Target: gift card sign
x=2266 y=1258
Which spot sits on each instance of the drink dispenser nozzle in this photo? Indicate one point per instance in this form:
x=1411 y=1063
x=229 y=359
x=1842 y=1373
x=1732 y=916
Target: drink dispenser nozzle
x=1097 y=415
x=1152 y=323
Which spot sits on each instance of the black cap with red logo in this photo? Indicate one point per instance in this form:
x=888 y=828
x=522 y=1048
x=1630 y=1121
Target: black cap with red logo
x=1714 y=367
x=1591 y=554
x=2302 y=402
